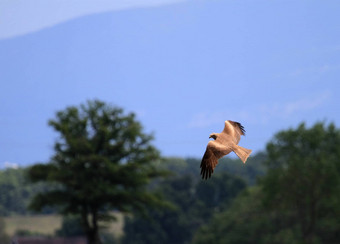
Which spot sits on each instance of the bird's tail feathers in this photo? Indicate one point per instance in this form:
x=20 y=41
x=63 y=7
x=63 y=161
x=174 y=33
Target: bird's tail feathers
x=242 y=153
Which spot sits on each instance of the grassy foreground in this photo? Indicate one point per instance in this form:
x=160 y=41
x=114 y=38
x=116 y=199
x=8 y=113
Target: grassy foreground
x=48 y=224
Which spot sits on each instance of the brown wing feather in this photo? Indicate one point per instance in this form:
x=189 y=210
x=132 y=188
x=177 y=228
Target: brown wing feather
x=208 y=163
x=238 y=127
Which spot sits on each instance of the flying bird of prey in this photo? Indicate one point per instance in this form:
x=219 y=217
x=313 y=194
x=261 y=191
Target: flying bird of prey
x=223 y=144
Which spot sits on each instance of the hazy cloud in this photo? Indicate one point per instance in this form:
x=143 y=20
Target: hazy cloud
x=306 y=103
x=261 y=114
x=316 y=70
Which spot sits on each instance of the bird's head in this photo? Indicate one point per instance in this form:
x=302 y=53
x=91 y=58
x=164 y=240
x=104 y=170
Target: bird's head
x=213 y=135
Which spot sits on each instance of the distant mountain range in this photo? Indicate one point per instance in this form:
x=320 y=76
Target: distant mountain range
x=183 y=69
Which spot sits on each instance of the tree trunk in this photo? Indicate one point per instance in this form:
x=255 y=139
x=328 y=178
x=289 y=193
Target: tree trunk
x=93 y=236
x=91 y=227
x=95 y=230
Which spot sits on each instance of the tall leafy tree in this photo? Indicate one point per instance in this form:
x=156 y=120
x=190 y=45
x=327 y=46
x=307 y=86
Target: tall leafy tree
x=103 y=161
x=303 y=181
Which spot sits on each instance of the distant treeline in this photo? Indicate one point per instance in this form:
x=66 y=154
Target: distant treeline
x=16 y=191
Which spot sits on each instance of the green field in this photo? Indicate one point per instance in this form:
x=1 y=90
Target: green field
x=48 y=224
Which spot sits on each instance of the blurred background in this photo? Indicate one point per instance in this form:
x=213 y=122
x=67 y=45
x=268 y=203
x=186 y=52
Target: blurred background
x=182 y=67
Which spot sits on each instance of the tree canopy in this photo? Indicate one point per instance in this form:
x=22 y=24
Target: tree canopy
x=303 y=181
x=103 y=161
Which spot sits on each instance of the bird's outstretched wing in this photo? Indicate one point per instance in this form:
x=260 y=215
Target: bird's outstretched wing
x=210 y=159
x=238 y=127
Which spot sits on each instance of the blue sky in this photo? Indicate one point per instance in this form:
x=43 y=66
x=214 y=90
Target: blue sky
x=182 y=66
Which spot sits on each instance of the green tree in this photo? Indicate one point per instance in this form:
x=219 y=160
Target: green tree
x=303 y=181
x=102 y=161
